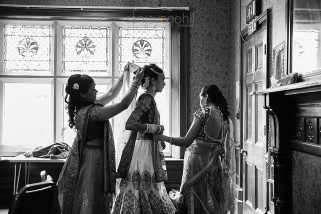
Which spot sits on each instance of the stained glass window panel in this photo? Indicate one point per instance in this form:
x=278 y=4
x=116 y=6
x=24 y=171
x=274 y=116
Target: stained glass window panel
x=142 y=46
x=85 y=49
x=68 y=133
x=27 y=48
x=28 y=120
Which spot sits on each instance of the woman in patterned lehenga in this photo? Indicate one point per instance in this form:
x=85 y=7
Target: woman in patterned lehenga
x=142 y=165
x=206 y=182
x=88 y=177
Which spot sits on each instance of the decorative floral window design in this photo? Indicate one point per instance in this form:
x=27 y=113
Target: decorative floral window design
x=85 y=49
x=27 y=48
x=142 y=46
x=142 y=49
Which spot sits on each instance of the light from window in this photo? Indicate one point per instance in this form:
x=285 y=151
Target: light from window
x=163 y=107
x=27 y=115
x=34 y=113
x=305 y=50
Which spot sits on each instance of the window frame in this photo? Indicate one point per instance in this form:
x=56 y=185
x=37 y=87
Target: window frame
x=18 y=149
x=178 y=64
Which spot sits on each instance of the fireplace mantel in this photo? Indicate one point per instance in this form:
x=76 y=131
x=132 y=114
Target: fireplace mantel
x=295 y=88
x=294 y=142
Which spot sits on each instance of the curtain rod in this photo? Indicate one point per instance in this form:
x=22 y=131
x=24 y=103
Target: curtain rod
x=97 y=7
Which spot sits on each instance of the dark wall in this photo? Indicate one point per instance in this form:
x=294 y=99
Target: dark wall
x=306 y=185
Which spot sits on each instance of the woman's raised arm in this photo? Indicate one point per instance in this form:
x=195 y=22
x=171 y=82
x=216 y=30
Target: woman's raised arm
x=114 y=90
x=106 y=112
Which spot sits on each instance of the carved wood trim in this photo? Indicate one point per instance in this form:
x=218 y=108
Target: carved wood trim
x=311 y=130
x=306 y=147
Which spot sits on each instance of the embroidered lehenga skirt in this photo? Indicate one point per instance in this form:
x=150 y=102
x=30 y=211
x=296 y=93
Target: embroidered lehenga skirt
x=139 y=192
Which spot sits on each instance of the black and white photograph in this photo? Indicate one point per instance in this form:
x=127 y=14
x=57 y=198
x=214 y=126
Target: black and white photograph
x=160 y=107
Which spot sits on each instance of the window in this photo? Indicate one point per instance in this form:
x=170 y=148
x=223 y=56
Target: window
x=39 y=56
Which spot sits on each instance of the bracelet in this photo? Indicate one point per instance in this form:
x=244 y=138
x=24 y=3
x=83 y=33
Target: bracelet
x=154 y=129
x=170 y=140
x=150 y=128
x=134 y=86
x=160 y=129
x=120 y=80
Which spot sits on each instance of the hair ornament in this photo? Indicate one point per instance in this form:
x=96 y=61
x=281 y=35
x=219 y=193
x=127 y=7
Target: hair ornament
x=146 y=83
x=153 y=70
x=75 y=86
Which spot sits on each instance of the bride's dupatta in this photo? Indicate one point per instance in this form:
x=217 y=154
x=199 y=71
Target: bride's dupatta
x=158 y=157
x=68 y=179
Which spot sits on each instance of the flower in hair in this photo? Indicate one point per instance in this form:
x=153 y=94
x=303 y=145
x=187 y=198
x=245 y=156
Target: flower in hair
x=146 y=83
x=75 y=86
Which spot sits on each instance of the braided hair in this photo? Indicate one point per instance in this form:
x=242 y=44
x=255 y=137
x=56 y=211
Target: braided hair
x=77 y=84
x=215 y=95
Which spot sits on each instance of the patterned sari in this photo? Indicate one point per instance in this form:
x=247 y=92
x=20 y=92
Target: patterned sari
x=206 y=182
x=142 y=167
x=87 y=179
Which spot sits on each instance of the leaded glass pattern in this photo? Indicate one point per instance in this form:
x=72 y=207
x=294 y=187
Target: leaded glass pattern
x=27 y=48
x=142 y=46
x=85 y=49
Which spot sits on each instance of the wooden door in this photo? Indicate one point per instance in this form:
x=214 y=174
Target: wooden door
x=254 y=122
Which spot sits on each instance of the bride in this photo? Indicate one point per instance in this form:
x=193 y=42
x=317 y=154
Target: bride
x=142 y=165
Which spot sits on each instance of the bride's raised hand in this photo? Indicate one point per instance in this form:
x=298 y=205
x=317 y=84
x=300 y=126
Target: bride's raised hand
x=126 y=68
x=139 y=75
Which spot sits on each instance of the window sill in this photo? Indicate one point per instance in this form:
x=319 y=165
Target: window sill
x=170 y=159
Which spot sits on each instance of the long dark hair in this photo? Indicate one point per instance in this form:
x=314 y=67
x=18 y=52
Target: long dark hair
x=215 y=95
x=77 y=84
x=151 y=71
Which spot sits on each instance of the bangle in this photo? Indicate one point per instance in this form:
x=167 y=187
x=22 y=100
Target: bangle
x=153 y=128
x=170 y=140
x=159 y=129
x=134 y=86
x=121 y=79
